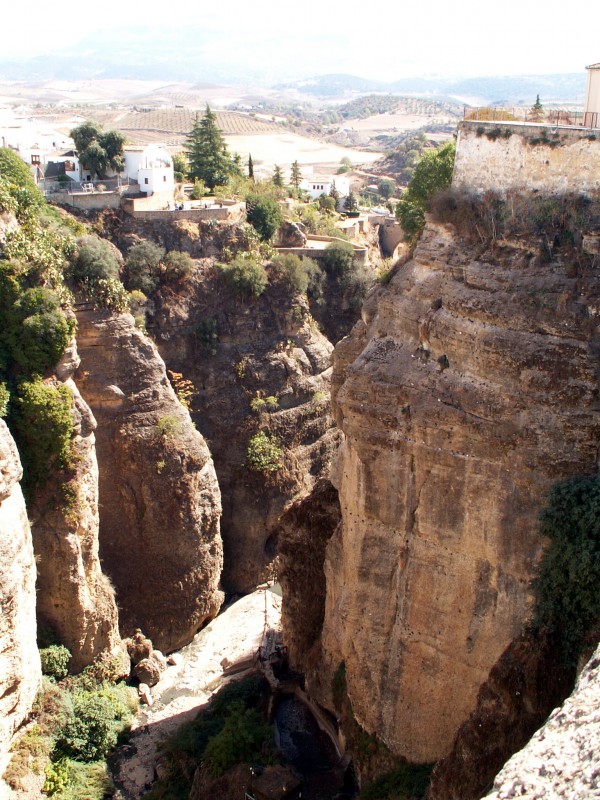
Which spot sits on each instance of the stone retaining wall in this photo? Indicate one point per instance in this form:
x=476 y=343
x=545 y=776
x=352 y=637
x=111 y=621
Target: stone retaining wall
x=500 y=156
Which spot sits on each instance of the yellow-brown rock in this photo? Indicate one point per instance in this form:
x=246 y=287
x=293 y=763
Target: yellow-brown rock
x=20 y=671
x=160 y=503
x=74 y=596
x=468 y=388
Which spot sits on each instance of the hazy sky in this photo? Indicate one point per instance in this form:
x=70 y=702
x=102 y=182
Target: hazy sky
x=375 y=39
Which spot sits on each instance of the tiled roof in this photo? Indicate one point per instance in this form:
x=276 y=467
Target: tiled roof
x=594 y=66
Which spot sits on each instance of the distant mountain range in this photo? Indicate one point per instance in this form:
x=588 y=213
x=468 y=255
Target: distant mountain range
x=501 y=90
x=192 y=55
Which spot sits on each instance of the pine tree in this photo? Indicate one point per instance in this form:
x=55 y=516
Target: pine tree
x=250 y=167
x=278 y=177
x=296 y=175
x=350 y=203
x=207 y=152
x=537 y=110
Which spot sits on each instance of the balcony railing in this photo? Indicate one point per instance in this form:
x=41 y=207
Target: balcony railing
x=554 y=117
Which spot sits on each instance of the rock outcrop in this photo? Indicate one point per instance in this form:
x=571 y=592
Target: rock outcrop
x=20 y=671
x=562 y=760
x=74 y=596
x=159 y=498
x=238 y=352
x=468 y=388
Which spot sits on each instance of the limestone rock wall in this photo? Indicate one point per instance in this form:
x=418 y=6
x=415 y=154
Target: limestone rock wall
x=160 y=503
x=74 y=596
x=20 y=671
x=468 y=388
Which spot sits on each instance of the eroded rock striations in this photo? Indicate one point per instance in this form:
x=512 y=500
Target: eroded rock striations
x=469 y=387
x=20 y=671
x=74 y=596
x=159 y=498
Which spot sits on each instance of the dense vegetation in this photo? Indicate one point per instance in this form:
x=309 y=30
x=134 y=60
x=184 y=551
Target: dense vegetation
x=567 y=600
x=432 y=175
x=229 y=730
x=75 y=723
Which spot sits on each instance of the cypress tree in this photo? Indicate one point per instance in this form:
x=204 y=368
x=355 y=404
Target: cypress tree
x=207 y=152
x=296 y=175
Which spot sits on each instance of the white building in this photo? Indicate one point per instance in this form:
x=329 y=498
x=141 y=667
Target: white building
x=151 y=166
x=317 y=185
x=592 y=99
x=31 y=138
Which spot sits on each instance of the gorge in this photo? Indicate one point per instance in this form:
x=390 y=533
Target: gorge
x=401 y=522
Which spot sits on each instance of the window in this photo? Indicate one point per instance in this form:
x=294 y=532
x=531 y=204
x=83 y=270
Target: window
x=164 y=178
x=35 y=160
x=145 y=180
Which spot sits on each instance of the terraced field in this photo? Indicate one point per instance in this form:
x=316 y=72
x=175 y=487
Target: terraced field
x=181 y=120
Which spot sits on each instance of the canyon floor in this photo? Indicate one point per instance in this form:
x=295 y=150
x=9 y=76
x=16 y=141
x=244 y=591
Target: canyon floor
x=232 y=638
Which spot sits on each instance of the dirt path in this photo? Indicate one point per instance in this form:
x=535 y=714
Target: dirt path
x=232 y=638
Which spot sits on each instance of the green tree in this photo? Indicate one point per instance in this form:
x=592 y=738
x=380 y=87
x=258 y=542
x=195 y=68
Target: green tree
x=326 y=203
x=432 y=175
x=264 y=214
x=338 y=258
x=250 y=167
x=207 y=152
x=566 y=587
x=350 y=203
x=278 y=177
x=18 y=192
x=386 y=188
x=142 y=266
x=94 y=259
x=295 y=175
x=297 y=273
x=180 y=167
x=537 y=110
x=99 y=150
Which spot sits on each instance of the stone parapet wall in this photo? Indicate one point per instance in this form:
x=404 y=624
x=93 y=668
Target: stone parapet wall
x=501 y=156
x=228 y=213
x=87 y=201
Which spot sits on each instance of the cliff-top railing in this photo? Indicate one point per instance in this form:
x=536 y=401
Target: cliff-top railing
x=528 y=116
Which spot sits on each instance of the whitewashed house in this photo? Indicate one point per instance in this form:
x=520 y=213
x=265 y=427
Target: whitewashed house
x=316 y=185
x=151 y=166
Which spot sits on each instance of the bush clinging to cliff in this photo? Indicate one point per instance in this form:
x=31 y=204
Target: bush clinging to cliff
x=567 y=597
x=432 y=175
x=264 y=453
x=246 y=275
x=43 y=427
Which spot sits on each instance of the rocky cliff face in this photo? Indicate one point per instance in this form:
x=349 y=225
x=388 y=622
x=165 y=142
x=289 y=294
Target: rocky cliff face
x=562 y=760
x=74 y=596
x=236 y=350
x=159 y=498
x=20 y=672
x=527 y=682
x=468 y=388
